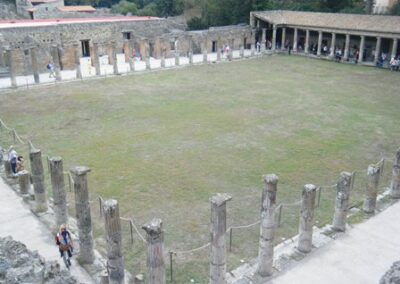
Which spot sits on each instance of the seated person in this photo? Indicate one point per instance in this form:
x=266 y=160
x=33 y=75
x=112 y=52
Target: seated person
x=20 y=164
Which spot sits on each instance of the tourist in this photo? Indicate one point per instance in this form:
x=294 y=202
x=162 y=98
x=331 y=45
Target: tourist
x=50 y=67
x=394 y=64
x=325 y=49
x=12 y=158
x=356 y=55
x=64 y=241
x=258 y=46
x=338 y=55
x=20 y=164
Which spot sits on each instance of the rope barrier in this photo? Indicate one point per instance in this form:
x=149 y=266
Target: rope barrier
x=192 y=250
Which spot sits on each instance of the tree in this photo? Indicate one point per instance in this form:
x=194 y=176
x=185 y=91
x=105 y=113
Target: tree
x=124 y=7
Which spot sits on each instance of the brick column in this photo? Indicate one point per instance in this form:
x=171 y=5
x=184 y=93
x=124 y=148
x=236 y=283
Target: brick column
x=218 y=229
x=56 y=61
x=263 y=39
x=115 y=262
x=267 y=227
x=35 y=157
x=155 y=252
x=307 y=218
x=274 y=38
x=11 y=66
x=319 y=43
x=371 y=192
x=83 y=216
x=307 y=43
x=77 y=61
x=95 y=56
x=394 y=47
x=346 y=48
x=395 y=184
x=377 y=49
x=333 y=43
x=295 y=39
x=35 y=67
x=361 y=53
x=342 y=202
x=59 y=193
x=283 y=39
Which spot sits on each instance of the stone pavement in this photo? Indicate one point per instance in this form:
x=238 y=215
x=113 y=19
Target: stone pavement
x=362 y=254
x=16 y=220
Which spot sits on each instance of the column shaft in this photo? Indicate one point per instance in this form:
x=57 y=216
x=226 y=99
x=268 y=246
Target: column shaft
x=35 y=67
x=274 y=37
x=11 y=66
x=59 y=193
x=114 y=56
x=56 y=61
x=218 y=229
x=342 y=201
x=267 y=227
x=83 y=215
x=346 y=48
x=394 y=47
x=283 y=39
x=35 y=157
x=155 y=252
x=333 y=44
x=115 y=262
x=295 y=36
x=371 y=191
x=77 y=62
x=24 y=180
x=361 y=53
x=395 y=184
x=319 y=43
x=307 y=218
x=307 y=43
x=95 y=55
x=263 y=39
x=377 y=49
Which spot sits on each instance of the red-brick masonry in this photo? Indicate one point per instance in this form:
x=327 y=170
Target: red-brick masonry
x=53 y=22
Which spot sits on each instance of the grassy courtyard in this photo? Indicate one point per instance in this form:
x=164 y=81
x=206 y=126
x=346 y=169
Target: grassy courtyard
x=162 y=143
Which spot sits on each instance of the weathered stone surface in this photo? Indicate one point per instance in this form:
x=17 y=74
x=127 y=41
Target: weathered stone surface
x=19 y=265
x=392 y=276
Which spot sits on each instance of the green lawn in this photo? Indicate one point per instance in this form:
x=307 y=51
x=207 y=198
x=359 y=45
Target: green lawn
x=162 y=143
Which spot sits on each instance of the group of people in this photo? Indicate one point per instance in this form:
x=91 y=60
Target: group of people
x=395 y=63
x=16 y=162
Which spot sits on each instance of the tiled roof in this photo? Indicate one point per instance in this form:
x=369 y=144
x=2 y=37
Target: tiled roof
x=77 y=9
x=370 y=23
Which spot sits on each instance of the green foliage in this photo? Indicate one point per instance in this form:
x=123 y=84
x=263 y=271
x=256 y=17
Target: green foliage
x=124 y=7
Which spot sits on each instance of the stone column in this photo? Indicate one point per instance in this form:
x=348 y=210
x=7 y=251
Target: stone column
x=253 y=43
x=232 y=44
x=361 y=53
x=218 y=43
x=377 y=49
x=342 y=202
x=333 y=43
x=274 y=38
x=2 y=61
x=205 y=51
x=263 y=39
x=11 y=66
x=95 y=55
x=307 y=218
x=24 y=180
x=307 y=43
x=283 y=38
x=241 y=51
x=296 y=32
x=77 y=62
x=218 y=229
x=115 y=262
x=395 y=184
x=83 y=216
x=127 y=50
x=35 y=67
x=59 y=193
x=190 y=50
x=155 y=252
x=131 y=58
x=267 y=227
x=319 y=43
x=114 y=56
x=346 y=48
x=176 y=52
x=371 y=192
x=56 y=61
x=394 y=47
x=35 y=157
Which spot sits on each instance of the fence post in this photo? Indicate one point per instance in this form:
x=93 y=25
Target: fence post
x=112 y=223
x=83 y=216
x=307 y=218
x=230 y=239
x=218 y=229
x=171 y=267
x=395 y=184
x=342 y=201
x=24 y=180
x=155 y=252
x=371 y=192
x=59 y=194
x=35 y=157
x=267 y=227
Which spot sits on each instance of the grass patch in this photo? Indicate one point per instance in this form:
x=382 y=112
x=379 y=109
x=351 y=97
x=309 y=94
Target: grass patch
x=162 y=143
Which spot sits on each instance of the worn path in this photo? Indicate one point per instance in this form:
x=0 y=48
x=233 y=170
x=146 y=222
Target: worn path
x=362 y=255
x=16 y=220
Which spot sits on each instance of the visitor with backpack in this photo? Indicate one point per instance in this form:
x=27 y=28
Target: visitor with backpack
x=64 y=242
x=50 y=68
